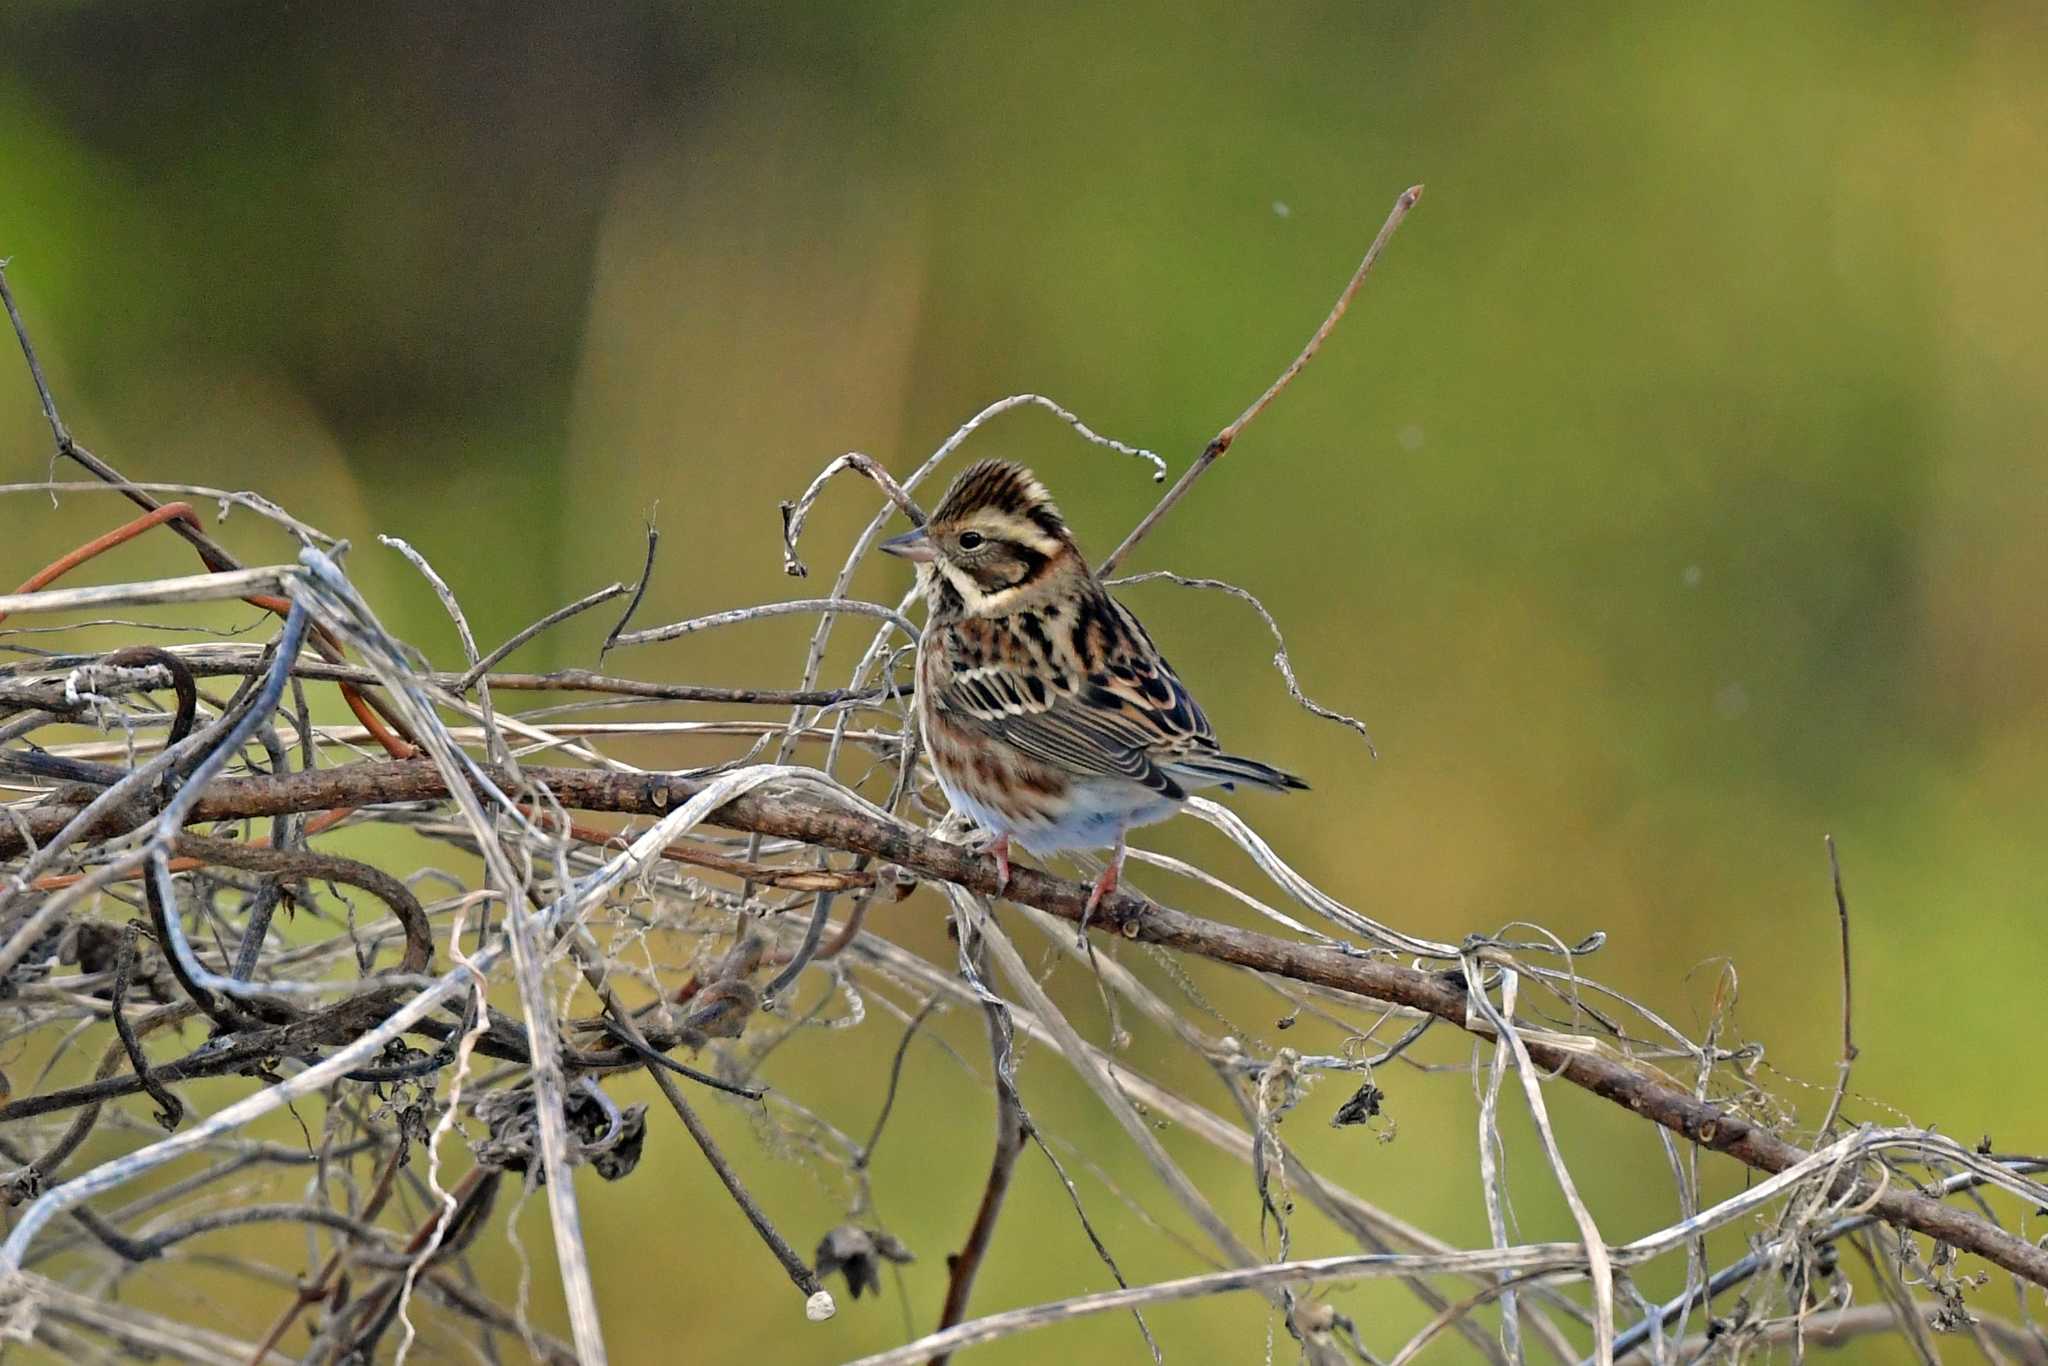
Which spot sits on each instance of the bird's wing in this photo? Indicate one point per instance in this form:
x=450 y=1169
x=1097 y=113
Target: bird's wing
x=1124 y=713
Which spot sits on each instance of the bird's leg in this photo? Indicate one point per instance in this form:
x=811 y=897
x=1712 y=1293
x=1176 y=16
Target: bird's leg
x=1000 y=847
x=1104 y=885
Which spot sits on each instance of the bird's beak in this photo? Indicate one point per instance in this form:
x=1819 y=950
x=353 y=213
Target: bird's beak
x=915 y=546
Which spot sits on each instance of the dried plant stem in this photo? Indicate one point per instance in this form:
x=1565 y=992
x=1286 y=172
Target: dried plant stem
x=121 y=535
x=798 y=1271
x=793 y=514
x=865 y=1157
x=1748 y=1266
x=1840 y=1329
x=1100 y=1078
x=144 y=1334
x=1221 y=442
x=964 y=1265
x=1528 y=1263
x=1280 y=659
x=35 y=365
x=1372 y=1226
x=522 y=636
x=321 y=1287
x=1368 y=1225
x=236 y=583
x=813 y=820
x=675 y=630
x=215 y=662
x=1268 y=1278
x=543 y=1038
x=1598 y=1262
x=639 y=590
x=1849 y=1050
x=1492 y=1185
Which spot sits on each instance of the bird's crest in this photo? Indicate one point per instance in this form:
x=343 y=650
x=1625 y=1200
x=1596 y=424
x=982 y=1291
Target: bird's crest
x=1005 y=487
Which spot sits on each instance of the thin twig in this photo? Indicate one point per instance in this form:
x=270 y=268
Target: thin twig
x=866 y=1156
x=793 y=514
x=92 y=549
x=555 y=618
x=1094 y=1238
x=1280 y=659
x=1898 y=1302
x=139 y=491
x=1849 y=1050
x=1839 y=1329
x=648 y=1054
x=1221 y=442
x=818 y=1305
x=453 y=606
x=170 y=1110
x=964 y=1265
x=1267 y=1278
x=1527 y=1261
x=675 y=630
x=35 y=366
x=1371 y=1227
x=639 y=591
x=1364 y=1220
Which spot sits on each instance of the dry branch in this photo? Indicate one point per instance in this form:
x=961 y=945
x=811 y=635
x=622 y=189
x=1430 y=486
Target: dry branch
x=816 y=821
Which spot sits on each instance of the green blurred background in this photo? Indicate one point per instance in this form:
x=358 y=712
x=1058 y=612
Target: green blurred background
x=1672 y=496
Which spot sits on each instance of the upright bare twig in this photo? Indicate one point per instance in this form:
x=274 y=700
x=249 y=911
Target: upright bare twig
x=1849 y=1050
x=639 y=590
x=1221 y=442
x=963 y=1266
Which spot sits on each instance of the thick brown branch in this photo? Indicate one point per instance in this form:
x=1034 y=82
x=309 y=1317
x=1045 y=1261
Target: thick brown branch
x=810 y=819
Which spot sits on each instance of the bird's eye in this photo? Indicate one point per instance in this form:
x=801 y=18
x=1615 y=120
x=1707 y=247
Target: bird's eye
x=971 y=540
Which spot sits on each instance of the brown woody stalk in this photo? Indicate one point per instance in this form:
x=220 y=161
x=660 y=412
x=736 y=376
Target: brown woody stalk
x=809 y=819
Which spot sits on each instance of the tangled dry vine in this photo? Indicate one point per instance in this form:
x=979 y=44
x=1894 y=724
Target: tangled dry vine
x=728 y=913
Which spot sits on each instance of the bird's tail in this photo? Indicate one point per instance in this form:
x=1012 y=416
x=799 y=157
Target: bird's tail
x=1231 y=769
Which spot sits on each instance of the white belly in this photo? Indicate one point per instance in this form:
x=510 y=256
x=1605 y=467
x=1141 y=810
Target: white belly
x=1095 y=816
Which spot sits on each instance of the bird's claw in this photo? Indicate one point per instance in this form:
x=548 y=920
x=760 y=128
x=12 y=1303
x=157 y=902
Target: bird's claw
x=1104 y=885
x=1001 y=849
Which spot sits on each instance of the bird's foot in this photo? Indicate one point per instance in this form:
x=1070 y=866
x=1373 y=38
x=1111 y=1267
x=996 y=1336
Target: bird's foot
x=1000 y=847
x=1104 y=885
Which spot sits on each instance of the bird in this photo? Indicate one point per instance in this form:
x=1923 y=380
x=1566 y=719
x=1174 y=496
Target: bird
x=1050 y=717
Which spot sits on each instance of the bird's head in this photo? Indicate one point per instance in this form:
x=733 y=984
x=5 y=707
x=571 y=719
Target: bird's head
x=995 y=545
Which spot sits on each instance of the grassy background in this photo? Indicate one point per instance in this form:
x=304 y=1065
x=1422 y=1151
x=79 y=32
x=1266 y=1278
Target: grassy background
x=1673 y=495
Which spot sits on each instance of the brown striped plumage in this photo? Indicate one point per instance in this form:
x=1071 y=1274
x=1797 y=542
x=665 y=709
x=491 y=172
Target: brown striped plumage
x=1049 y=715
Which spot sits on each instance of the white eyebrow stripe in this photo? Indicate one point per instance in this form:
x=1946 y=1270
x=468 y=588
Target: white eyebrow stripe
x=1018 y=530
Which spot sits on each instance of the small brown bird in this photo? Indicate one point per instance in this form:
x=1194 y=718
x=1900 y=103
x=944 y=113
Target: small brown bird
x=1049 y=715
